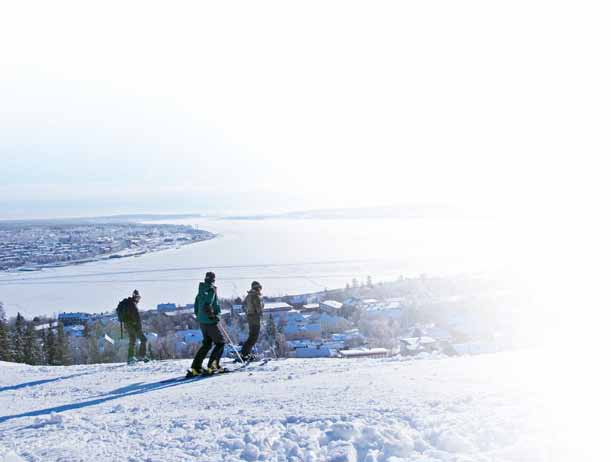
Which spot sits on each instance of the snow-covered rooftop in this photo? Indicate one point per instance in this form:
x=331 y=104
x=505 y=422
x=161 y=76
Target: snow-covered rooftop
x=364 y=352
x=332 y=304
x=277 y=306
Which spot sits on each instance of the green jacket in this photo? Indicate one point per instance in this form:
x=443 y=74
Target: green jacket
x=206 y=301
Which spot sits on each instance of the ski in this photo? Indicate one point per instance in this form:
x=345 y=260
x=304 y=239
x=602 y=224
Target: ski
x=225 y=371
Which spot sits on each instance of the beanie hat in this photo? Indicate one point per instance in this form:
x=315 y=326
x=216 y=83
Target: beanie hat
x=210 y=276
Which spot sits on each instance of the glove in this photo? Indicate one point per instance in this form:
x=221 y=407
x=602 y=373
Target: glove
x=210 y=314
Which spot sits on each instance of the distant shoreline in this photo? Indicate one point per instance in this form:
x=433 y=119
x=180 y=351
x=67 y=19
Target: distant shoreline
x=118 y=256
x=36 y=245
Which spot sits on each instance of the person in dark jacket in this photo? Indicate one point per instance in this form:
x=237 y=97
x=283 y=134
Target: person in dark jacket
x=253 y=306
x=133 y=324
x=207 y=310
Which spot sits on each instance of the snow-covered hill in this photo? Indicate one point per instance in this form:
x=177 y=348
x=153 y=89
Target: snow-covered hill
x=447 y=409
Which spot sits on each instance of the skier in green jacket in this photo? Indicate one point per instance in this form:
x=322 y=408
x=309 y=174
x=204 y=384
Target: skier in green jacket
x=207 y=309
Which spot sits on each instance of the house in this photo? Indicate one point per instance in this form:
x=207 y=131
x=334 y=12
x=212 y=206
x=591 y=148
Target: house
x=189 y=336
x=164 y=307
x=69 y=319
x=386 y=310
x=276 y=307
x=350 y=338
x=364 y=353
x=298 y=299
x=301 y=327
x=310 y=308
x=292 y=321
x=335 y=345
x=178 y=312
x=75 y=330
x=333 y=324
x=294 y=344
x=309 y=349
x=52 y=325
x=320 y=352
x=331 y=306
x=412 y=346
x=225 y=313
x=278 y=310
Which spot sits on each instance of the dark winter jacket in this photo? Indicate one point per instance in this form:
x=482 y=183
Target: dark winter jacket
x=253 y=303
x=207 y=307
x=133 y=315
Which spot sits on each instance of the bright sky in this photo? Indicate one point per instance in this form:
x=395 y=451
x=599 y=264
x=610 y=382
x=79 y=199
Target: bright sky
x=207 y=106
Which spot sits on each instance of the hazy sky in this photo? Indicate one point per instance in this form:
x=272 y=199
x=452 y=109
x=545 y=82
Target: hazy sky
x=132 y=106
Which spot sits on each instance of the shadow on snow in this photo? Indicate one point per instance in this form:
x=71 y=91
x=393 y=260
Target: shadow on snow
x=130 y=390
x=39 y=382
x=45 y=381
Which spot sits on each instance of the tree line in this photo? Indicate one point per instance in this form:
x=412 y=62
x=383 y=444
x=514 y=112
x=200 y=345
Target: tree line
x=22 y=342
x=44 y=341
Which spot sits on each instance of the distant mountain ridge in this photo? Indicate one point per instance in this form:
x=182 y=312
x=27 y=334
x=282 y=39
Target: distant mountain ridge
x=400 y=211
x=126 y=218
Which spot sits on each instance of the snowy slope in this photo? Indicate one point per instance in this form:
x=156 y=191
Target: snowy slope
x=450 y=409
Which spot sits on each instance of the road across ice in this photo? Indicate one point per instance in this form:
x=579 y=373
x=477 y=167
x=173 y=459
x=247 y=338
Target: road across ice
x=479 y=408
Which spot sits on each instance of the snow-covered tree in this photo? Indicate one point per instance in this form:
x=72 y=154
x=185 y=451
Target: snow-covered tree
x=17 y=339
x=32 y=353
x=90 y=337
x=62 y=347
x=49 y=345
x=5 y=344
x=270 y=330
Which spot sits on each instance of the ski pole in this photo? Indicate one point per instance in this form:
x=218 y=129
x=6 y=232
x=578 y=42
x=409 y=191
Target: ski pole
x=226 y=334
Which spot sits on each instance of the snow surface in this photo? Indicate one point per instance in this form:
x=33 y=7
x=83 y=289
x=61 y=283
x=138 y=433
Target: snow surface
x=464 y=409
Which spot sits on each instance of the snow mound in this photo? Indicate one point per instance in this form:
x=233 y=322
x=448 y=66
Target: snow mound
x=9 y=456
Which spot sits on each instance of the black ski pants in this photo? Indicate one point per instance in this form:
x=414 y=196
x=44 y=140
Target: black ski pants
x=134 y=331
x=254 y=327
x=212 y=334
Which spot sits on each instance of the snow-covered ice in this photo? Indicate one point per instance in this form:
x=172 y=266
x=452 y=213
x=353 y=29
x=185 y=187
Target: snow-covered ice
x=480 y=408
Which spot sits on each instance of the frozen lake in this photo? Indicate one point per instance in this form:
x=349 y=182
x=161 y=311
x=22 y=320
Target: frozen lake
x=286 y=255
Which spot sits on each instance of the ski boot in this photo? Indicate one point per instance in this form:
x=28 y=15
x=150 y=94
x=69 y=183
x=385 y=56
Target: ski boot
x=144 y=359
x=132 y=360
x=195 y=372
x=215 y=368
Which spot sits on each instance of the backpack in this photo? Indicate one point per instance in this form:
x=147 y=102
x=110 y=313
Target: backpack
x=123 y=310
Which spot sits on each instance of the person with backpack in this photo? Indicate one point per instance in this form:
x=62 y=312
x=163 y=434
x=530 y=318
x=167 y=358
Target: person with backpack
x=129 y=316
x=253 y=305
x=207 y=310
